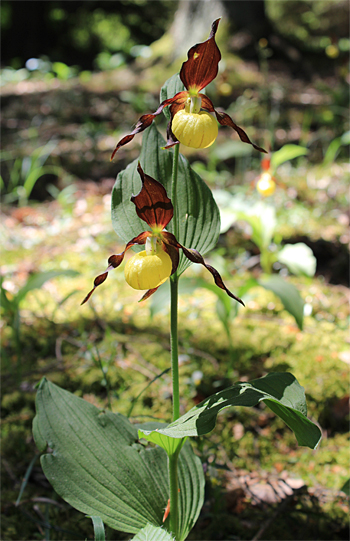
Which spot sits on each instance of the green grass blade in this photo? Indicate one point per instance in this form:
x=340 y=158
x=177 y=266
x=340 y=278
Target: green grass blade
x=99 y=529
x=26 y=478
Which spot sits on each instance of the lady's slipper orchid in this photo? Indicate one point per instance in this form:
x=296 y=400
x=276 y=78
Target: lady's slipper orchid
x=192 y=113
x=266 y=184
x=150 y=268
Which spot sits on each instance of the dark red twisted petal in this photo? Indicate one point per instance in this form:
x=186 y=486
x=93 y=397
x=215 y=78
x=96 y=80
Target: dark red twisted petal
x=146 y=120
x=172 y=251
x=196 y=257
x=152 y=204
x=171 y=139
x=225 y=120
x=202 y=64
x=148 y=294
x=115 y=260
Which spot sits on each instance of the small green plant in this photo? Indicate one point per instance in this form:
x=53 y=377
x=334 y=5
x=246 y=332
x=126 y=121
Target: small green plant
x=25 y=172
x=260 y=223
x=335 y=146
x=101 y=463
x=11 y=304
x=263 y=231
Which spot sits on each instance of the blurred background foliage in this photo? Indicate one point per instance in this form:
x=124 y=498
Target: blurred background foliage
x=78 y=33
x=83 y=34
x=75 y=77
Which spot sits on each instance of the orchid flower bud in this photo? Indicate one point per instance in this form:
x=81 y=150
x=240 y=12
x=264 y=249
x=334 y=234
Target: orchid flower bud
x=266 y=185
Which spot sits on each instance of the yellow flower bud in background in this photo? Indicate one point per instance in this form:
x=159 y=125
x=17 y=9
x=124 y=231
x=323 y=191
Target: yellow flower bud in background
x=196 y=130
x=266 y=185
x=332 y=51
x=145 y=271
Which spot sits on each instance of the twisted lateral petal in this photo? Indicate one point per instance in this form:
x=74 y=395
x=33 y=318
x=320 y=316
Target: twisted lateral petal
x=115 y=260
x=225 y=120
x=146 y=120
x=202 y=64
x=196 y=257
x=171 y=139
x=152 y=204
x=148 y=294
x=173 y=253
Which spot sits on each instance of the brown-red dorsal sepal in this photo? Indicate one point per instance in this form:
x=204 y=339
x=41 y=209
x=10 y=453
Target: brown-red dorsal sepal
x=202 y=65
x=152 y=204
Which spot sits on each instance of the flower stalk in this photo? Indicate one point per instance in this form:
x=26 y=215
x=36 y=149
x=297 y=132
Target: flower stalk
x=174 y=347
x=174 y=187
x=174 y=293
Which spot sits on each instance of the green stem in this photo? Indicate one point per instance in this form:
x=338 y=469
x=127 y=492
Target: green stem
x=174 y=345
x=174 y=188
x=174 y=300
x=266 y=261
x=174 y=492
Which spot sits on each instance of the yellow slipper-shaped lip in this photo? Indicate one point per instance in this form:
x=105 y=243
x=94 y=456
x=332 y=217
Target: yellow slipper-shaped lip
x=144 y=271
x=196 y=130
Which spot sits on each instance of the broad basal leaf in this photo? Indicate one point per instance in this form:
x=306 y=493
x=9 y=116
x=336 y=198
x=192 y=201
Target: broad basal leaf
x=197 y=213
x=152 y=533
x=99 y=467
x=346 y=487
x=280 y=391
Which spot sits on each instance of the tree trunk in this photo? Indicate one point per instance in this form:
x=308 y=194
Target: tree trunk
x=192 y=23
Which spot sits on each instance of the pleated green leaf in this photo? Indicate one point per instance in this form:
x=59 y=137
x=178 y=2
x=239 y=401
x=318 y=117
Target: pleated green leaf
x=170 y=445
x=152 y=533
x=279 y=390
x=99 y=467
x=197 y=213
x=191 y=490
